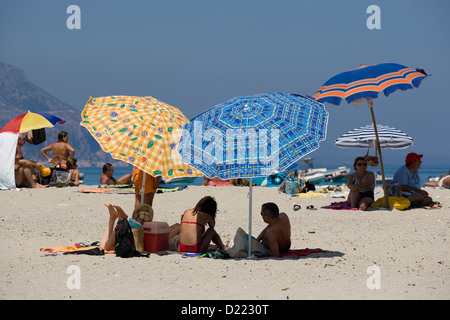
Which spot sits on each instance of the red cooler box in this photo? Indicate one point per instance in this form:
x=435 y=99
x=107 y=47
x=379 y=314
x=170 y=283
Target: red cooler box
x=156 y=236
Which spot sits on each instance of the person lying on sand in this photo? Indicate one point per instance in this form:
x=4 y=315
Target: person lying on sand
x=276 y=237
x=142 y=214
x=194 y=237
x=444 y=182
x=109 y=236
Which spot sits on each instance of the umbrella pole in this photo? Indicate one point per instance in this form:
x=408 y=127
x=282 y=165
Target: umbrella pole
x=250 y=195
x=143 y=187
x=370 y=103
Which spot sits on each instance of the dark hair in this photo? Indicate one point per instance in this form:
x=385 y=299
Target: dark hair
x=62 y=135
x=207 y=205
x=106 y=167
x=358 y=159
x=71 y=163
x=270 y=209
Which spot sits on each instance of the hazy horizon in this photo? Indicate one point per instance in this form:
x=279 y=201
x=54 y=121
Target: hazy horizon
x=196 y=54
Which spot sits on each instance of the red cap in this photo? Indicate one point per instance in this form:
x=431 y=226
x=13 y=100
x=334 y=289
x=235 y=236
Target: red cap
x=413 y=156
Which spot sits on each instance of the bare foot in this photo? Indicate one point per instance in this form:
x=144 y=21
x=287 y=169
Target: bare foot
x=121 y=213
x=38 y=185
x=112 y=212
x=363 y=207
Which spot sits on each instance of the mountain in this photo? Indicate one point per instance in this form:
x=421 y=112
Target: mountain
x=19 y=95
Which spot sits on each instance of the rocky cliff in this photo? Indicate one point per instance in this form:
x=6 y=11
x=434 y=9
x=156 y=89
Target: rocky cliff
x=19 y=95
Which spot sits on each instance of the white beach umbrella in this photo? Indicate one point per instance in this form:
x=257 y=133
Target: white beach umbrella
x=365 y=137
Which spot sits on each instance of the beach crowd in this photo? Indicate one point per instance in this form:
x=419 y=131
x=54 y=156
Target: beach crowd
x=196 y=231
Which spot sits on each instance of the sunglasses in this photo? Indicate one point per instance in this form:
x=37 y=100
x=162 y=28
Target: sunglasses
x=361 y=164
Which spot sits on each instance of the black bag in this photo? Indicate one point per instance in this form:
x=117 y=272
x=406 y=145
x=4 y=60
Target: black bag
x=309 y=186
x=124 y=243
x=38 y=136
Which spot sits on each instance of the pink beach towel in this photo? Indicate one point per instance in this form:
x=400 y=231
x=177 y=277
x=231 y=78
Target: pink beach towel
x=343 y=205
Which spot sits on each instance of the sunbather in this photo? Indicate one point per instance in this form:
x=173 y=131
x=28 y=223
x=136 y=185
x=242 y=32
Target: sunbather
x=194 y=236
x=443 y=182
x=219 y=182
x=24 y=169
x=108 y=179
x=408 y=179
x=276 y=237
x=61 y=151
x=361 y=184
x=109 y=236
x=74 y=172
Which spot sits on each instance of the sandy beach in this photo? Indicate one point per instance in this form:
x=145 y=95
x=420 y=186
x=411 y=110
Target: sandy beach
x=410 y=249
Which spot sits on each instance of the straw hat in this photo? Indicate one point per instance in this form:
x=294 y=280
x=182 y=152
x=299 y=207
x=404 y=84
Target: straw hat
x=143 y=213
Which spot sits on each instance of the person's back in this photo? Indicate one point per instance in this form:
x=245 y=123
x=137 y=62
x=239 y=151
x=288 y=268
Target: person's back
x=282 y=232
x=191 y=221
x=61 y=150
x=60 y=153
x=194 y=237
x=276 y=237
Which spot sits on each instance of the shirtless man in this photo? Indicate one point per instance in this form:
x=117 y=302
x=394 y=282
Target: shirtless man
x=108 y=179
x=61 y=150
x=276 y=237
x=23 y=168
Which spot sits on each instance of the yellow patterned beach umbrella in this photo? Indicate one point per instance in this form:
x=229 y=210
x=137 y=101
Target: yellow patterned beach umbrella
x=142 y=131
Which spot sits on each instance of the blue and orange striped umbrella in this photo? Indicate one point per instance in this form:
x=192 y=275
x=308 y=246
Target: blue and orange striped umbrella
x=366 y=82
x=31 y=121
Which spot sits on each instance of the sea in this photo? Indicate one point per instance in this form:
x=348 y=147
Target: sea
x=92 y=174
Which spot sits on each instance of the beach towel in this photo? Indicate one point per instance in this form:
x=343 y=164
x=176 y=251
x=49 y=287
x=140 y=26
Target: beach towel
x=76 y=248
x=8 y=143
x=291 y=254
x=320 y=194
x=343 y=205
x=98 y=190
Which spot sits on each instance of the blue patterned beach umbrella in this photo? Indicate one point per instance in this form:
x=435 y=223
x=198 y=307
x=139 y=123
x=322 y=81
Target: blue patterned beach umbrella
x=366 y=82
x=253 y=136
x=364 y=137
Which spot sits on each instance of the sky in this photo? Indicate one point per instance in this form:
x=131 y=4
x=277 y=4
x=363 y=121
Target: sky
x=195 y=54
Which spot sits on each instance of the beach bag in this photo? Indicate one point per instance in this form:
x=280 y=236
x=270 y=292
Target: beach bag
x=291 y=184
x=138 y=235
x=393 y=190
x=398 y=203
x=60 y=177
x=124 y=241
x=240 y=246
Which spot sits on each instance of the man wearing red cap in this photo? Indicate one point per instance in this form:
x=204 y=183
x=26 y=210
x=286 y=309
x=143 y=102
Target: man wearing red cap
x=409 y=181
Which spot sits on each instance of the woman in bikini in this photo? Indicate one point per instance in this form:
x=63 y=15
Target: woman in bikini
x=361 y=184
x=194 y=237
x=61 y=151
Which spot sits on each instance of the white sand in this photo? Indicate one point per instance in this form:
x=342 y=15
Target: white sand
x=411 y=249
